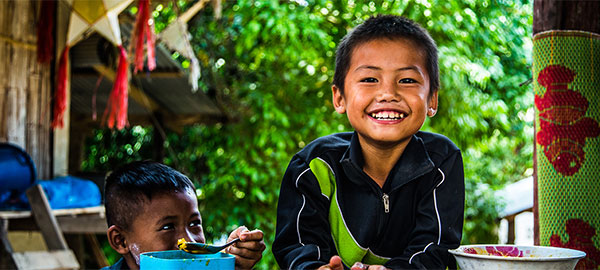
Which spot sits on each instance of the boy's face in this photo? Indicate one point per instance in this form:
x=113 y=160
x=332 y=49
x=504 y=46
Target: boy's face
x=386 y=93
x=165 y=219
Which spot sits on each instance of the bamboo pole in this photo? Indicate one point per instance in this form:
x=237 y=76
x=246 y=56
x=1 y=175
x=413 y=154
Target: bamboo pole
x=189 y=14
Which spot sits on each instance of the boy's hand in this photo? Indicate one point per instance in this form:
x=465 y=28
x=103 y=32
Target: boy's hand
x=361 y=266
x=335 y=263
x=248 y=251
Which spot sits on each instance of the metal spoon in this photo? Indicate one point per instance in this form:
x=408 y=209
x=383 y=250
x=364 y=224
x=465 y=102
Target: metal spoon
x=200 y=248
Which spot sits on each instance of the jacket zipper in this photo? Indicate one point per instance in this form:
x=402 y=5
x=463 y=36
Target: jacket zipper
x=386 y=202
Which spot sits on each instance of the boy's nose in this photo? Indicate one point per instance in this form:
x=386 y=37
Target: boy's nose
x=387 y=93
x=186 y=236
x=189 y=237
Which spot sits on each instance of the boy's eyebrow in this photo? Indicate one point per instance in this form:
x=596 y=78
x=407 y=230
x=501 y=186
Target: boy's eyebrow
x=412 y=67
x=168 y=218
x=194 y=215
x=164 y=219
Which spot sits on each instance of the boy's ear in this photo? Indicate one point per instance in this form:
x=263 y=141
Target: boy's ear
x=117 y=240
x=432 y=104
x=338 y=100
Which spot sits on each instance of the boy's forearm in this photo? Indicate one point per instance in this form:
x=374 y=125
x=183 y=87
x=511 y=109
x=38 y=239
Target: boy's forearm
x=434 y=257
x=303 y=236
x=299 y=257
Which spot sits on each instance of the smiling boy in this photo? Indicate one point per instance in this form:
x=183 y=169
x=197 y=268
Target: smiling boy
x=386 y=195
x=149 y=206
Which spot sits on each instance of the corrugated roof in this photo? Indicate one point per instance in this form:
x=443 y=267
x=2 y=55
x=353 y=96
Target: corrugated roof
x=167 y=86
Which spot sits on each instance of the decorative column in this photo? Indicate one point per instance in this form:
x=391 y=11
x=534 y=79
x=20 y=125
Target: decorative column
x=566 y=76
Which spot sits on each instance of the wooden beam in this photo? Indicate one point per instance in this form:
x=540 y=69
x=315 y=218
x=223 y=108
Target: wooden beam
x=45 y=219
x=56 y=259
x=191 y=12
x=96 y=248
x=141 y=75
x=78 y=133
x=6 y=251
x=511 y=229
x=137 y=94
x=83 y=224
x=160 y=74
x=72 y=220
x=67 y=224
x=159 y=137
x=75 y=242
x=566 y=15
x=60 y=145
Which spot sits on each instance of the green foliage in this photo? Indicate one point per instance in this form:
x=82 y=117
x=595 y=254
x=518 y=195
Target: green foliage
x=108 y=149
x=270 y=64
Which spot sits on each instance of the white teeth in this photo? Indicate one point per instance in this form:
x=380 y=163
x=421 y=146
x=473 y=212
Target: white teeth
x=387 y=115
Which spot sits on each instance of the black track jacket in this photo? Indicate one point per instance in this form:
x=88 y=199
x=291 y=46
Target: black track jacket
x=329 y=206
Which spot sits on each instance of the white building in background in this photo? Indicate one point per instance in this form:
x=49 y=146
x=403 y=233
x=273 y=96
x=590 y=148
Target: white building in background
x=517 y=216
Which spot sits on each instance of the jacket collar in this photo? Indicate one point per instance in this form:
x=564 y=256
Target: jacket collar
x=413 y=163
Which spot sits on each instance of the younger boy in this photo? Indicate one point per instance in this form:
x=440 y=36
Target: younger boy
x=386 y=195
x=149 y=206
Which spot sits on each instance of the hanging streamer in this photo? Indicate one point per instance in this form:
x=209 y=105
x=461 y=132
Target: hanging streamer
x=102 y=17
x=144 y=29
x=117 y=103
x=60 y=96
x=150 y=45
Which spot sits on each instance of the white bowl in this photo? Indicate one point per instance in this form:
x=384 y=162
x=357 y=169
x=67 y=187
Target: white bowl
x=475 y=257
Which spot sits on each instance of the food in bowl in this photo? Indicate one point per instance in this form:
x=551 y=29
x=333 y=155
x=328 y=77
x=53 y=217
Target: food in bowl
x=515 y=257
x=180 y=260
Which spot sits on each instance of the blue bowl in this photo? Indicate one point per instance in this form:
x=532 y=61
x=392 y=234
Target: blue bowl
x=177 y=259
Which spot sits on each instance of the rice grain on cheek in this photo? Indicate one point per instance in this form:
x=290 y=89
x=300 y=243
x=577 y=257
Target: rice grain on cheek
x=135 y=253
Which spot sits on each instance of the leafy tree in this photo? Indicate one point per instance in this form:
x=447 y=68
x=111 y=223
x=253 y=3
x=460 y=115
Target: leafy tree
x=269 y=65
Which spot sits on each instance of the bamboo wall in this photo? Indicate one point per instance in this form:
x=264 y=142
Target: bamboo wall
x=25 y=85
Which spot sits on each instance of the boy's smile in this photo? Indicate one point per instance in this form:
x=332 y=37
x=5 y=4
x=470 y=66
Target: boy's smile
x=386 y=92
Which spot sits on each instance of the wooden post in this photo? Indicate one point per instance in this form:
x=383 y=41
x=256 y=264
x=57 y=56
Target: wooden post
x=24 y=84
x=566 y=15
x=97 y=253
x=79 y=132
x=158 y=137
x=560 y=15
x=40 y=208
x=61 y=135
x=6 y=260
x=511 y=229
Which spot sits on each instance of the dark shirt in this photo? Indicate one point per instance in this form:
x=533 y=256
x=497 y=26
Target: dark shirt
x=329 y=206
x=119 y=265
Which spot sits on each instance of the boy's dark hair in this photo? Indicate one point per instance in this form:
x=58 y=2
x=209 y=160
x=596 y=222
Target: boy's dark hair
x=391 y=27
x=129 y=187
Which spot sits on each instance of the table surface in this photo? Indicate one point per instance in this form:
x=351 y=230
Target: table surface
x=74 y=220
x=95 y=210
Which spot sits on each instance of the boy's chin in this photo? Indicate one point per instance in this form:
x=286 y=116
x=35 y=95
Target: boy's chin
x=387 y=140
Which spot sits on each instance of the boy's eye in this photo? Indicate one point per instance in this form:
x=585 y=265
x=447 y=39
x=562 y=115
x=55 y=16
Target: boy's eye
x=166 y=227
x=195 y=223
x=407 y=80
x=369 y=80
